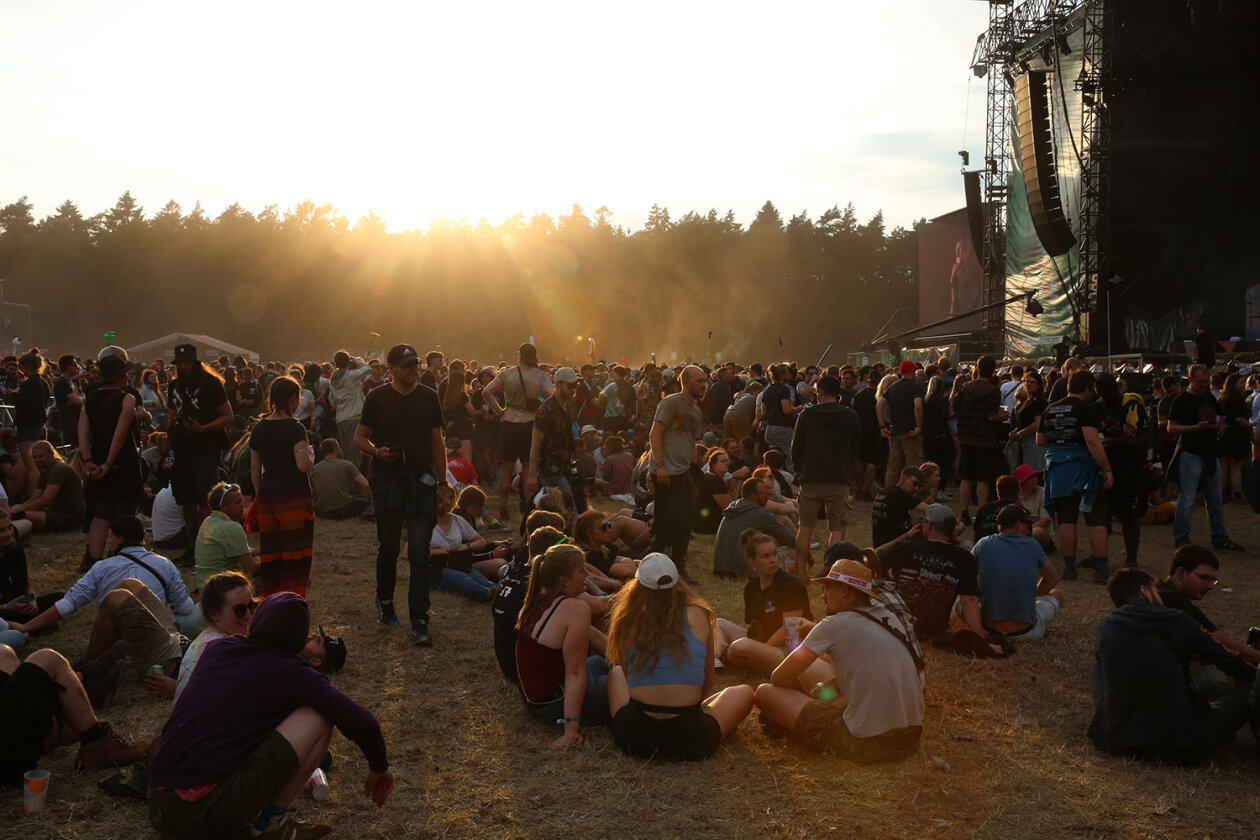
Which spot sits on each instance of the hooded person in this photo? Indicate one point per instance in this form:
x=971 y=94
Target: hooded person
x=251 y=726
x=824 y=446
x=748 y=511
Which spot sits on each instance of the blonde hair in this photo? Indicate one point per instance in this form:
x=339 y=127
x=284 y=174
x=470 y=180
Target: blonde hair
x=651 y=622
x=750 y=538
x=555 y=563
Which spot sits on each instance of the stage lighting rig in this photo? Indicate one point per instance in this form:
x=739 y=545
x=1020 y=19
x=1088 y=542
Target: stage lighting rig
x=1064 y=46
x=1033 y=306
x=966 y=158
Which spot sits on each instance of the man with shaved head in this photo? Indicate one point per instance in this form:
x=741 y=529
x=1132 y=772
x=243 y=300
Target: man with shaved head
x=675 y=430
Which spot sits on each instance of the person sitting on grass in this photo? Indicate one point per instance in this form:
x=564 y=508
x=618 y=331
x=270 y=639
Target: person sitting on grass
x=221 y=544
x=135 y=591
x=770 y=599
x=1145 y=705
x=57 y=504
x=18 y=601
x=560 y=679
x=1017 y=595
x=224 y=764
x=451 y=553
x=338 y=488
x=43 y=697
x=595 y=534
x=543 y=529
x=873 y=711
x=748 y=512
x=662 y=636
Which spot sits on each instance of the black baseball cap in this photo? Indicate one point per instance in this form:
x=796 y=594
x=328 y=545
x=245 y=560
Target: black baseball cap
x=402 y=354
x=334 y=651
x=1013 y=515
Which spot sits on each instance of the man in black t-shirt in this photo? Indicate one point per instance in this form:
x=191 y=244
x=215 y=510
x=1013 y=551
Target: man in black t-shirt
x=69 y=400
x=892 y=509
x=903 y=401
x=779 y=410
x=401 y=429
x=986 y=523
x=1077 y=470
x=930 y=572
x=1195 y=418
x=200 y=412
x=1192 y=574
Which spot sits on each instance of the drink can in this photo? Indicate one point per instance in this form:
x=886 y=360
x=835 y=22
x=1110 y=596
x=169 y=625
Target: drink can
x=317 y=785
x=1253 y=637
x=157 y=670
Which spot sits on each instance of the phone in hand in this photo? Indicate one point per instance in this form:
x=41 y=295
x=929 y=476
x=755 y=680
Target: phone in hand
x=26 y=599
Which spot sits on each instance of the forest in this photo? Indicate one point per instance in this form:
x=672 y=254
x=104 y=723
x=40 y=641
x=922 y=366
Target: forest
x=303 y=282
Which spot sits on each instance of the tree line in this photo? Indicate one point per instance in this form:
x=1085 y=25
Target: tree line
x=305 y=281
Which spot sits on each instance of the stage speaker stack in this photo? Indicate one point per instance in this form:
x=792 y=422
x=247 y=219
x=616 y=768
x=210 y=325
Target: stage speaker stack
x=975 y=213
x=1036 y=152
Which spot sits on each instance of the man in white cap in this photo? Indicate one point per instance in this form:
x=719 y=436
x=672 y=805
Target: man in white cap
x=878 y=677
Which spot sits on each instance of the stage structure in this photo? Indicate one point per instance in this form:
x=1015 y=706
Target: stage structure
x=1117 y=184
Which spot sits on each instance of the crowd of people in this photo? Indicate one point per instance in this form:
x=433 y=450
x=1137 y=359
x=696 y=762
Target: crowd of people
x=597 y=618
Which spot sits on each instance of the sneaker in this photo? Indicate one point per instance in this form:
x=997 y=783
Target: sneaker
x=290 y=827
x=1228 y=545
x=965 y=518
x=420 y=634
x=95 y=668
x=110 y=748
x=1101 y=576
x=102 y=686
x=385 y=612
x=1068 y=574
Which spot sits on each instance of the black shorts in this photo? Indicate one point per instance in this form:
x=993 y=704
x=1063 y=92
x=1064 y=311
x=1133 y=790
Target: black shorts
x=28 y=704
x=821 y=726
x=56 y=521
x=515 y=440
x=690 y=736
x=30 y=434
x=1067 y=510
x=981 y=463
x=194 y=472
x=110 y=507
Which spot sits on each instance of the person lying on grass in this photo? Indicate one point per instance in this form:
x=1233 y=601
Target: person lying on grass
x=662 y=637
x=872 y=708
x=561 y=681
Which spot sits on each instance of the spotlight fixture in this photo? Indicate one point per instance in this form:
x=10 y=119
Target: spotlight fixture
x=981 y=70
x=1024 y=67
x=966 y=157
x=1033 y=307
x=1088 y=100
x=1064 y=46
x=992 y=162
x=1047 y=52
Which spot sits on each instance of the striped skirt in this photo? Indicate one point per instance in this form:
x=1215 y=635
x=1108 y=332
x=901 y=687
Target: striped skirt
x=286 y=529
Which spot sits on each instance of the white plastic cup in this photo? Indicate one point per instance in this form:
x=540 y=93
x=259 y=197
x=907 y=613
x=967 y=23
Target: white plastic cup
x=34 y=790
x=792 y=629
x=317 y=785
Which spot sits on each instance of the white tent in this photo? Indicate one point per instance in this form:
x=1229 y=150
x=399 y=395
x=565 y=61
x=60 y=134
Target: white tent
x=208 y=348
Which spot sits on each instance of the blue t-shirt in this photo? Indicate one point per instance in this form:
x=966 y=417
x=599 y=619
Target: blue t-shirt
x=1010 y=566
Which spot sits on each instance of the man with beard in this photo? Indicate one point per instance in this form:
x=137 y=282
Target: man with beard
x=675 y=430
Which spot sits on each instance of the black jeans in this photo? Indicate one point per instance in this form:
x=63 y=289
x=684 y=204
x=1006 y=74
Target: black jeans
x=389 y=528
x=674 y=514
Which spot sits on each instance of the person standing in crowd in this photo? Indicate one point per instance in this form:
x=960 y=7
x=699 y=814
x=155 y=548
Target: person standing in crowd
x=1126 y=437
x=68 y=397
x=1192 y=420
x=346 y=393
x=279 y=458
x=551 y=450
x=30 y=408
x=401 y=429
x=675 y=430
x=524 y=387
x=938 y=440
x=457 y=408
x=824 y=446
x=902 y=404
x=107 y=435
x=1077 y=473
x=978 y=409
x=200 y=412
x=779 y=410
x=1030 y=404
x=152 y=401
x=618 y=401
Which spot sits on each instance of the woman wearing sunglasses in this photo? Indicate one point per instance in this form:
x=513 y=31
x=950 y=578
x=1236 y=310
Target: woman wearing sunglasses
x=596 y=535
x=227 y=601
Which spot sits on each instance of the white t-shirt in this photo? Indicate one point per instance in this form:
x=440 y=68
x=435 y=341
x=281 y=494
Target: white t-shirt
x=873 y=669
x=168 y=516
x=459 y=532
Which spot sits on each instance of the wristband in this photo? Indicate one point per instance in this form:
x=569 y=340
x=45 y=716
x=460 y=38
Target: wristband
x=376 y=453
x=562 y=721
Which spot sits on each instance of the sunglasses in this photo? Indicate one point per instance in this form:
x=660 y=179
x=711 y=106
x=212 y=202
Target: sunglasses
x=216 y=499
x=606 y=525
x=242 y=610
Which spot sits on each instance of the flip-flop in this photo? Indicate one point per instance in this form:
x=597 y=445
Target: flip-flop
x=122 y=786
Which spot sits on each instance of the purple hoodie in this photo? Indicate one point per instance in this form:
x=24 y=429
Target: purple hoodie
x=241 y=690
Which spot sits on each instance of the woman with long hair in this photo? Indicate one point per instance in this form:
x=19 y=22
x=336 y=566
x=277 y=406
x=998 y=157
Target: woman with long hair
x=596 y=535
x=938 y=440
x=451 y=553
x=457 y=408
x=661 y=635
x=280 y=457
x=1235 y=443
x=151 y=398
x=30 y=412
x=1030 y=403
x=559 y=678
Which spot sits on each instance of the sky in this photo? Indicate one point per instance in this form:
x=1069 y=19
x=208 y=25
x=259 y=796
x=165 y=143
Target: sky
x=419 y=111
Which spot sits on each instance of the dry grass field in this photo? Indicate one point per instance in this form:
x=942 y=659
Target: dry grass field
x=1004 y=753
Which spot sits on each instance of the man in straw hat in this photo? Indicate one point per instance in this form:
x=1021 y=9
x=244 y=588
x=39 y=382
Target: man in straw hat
x=876 y=703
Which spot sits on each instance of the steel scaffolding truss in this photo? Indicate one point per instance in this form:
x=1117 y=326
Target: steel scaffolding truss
x=1013 y=27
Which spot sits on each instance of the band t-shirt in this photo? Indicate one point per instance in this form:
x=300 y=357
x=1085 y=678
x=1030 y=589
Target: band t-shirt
x=890 y=515
x=1190 y=410
x=929 y=575
x=764 y=608
x=197 y=400
x=403 y=421
x=900 y=397
x=1065 y=420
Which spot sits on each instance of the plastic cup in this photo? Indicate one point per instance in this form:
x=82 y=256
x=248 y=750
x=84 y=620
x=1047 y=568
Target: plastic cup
x=317 y=785
x=792 y=629
x=34 y=790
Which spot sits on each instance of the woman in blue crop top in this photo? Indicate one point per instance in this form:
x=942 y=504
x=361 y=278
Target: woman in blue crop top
x=661 y=635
